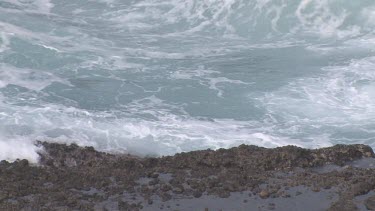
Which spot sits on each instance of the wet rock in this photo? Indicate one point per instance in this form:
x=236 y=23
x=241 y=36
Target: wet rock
x=72 y=177
x=154 y=182
x=3 y=195
x=315 y=189
x=197 y=194
x=362 y=187
x=264 y=194
x=271 y=206
x=223 y=194
x=370 y=203
x=298 y=193
x=154 y=175
x=343 y=204
x=165 y=197
x=165 y=188
x=178 y=190
x=23 y=163
x=193 y=184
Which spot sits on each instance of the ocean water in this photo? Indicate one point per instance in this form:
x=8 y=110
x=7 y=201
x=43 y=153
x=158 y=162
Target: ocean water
x=157 y=77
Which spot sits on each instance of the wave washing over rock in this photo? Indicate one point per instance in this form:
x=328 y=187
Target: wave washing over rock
x=158 y=77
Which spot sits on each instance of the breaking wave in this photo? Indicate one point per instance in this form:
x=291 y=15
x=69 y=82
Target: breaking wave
x=156 y=77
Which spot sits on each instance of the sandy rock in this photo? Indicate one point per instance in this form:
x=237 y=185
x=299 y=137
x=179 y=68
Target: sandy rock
x=264 y=194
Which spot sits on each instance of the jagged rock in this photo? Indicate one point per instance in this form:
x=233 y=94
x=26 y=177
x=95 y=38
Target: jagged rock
x=72 y=177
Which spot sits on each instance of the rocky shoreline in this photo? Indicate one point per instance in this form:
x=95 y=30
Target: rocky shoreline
x=69 y=177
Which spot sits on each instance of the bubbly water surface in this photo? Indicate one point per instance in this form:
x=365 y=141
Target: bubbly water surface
x=157 y=77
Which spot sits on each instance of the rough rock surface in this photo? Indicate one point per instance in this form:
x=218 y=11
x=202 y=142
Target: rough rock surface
x=77 y=178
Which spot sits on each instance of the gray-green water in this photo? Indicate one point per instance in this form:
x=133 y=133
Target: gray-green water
x=165 y=76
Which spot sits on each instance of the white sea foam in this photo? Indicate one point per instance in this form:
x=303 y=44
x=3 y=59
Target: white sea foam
x=208 y=78
x=4 y=42
x=31 y=79
x=11 y=149
x=33 y=6
x=319 y=17
x=166 y=76
x=262 y=18
x=168 y=135
x=44 y=6
x=339 y=97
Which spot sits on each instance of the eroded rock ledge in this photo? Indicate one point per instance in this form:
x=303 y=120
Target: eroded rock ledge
x=76 y=178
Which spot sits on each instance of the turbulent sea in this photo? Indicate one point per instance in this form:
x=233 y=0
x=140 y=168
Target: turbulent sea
x=157 y=77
